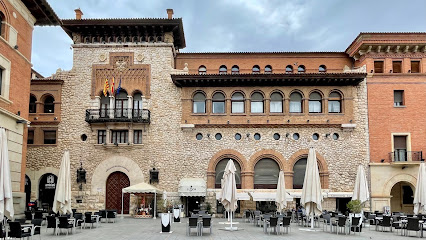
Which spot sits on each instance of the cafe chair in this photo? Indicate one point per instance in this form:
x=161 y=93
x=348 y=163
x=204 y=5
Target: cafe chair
x=412 y=225
x=207 y=223
x=356 y=225
x=37 y=226
x=51 y=223
x=326 y=221
x=103 y=214
x=372 y=220
x=88 y=219
x=273 y=224
x=65 y=224
x=111 y=215
x=28 y=215
x=386 y=223
x=286 y=223
x=192 y=223
x=79 y=220
x=17 y=231
x=2 y=231
x=341 y=223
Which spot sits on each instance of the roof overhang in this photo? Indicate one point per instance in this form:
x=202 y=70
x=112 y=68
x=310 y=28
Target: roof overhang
x=295 y=79
x=43 y=13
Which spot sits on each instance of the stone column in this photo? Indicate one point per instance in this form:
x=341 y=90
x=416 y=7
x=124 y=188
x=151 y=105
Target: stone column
x=108 y=136
x=288 y=176
x=325 y=106
x=130 y=134
x=211 y=179
x=130 y=107
x=247 y=180
x=111 y=106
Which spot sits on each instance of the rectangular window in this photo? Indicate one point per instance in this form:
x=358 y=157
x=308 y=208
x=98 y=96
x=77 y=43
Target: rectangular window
x=137 y=137
x=334 y=106
x=30 y=139
x=400 y=148
x=378 y=66
x=237 y=107
x=218 y=107
x=276 y=106
x=257 y=107
x=101 y=136
x=50 y=137
x=415 y=66
x=295 y=107
x=396 y=66
x=119 y=136
x=199 y=107
x=314 y=106
x=398 y=98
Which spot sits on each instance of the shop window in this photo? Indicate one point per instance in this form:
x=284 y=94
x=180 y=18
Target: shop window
x=289 y=69
x=119 y=136
x=237 y=103
x=101 y=136
x=398 y=98
x=202 y=70
x=268 y=69
x=378 y=66
x=322 y=68
x=276 y=103
x=235 y=69
x=415 y=66
x=315 y=103
x=255 y=69
x=257 y=103
x=50 y=137
x=223 y=69
x=334 y=102
x=30 y=138
x=137 y=137
x=49 y=106
x=396 y=66
x=296 y=102
x=199 y=103
x=33 y=106
x=301 y=69
x=218 y=102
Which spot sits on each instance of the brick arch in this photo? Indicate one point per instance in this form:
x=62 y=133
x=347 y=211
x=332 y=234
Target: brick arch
x=403 y=177
x=219 y=156
x=266 y=153
x=322 y=166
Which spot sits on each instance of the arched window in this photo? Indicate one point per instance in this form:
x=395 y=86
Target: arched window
x=299 y=170
x=268 y=69
x=220 y=169
x=255 y=69
x=335 y=103
x=237 y=103
x=322 y=68
x=266 y=174
x=218 y=102
x=256 y=103
x=296 y=102
x=301 y=69
x=33 y=106
x=276 y=103
x=199 y=103
x=121 y=104
x=137 y=105
x=49 y=106
x=2 y=25
x=315 y=103
x=103 y=112
x=289 y=69
x=202 y=70
x=223 y=70
x=235 y=69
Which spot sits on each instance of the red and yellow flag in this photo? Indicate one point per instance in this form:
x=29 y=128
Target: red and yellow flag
x=112 y=86
x=106 y=87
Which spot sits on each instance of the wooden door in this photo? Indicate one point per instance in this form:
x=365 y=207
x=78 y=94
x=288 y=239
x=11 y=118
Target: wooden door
x=115 y=183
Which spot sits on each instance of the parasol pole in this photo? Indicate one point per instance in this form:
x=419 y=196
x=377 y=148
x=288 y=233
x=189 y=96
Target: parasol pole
x=313 y=214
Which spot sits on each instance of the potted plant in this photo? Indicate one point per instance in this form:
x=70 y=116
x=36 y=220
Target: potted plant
x=208 y=207
x=160 y=207
x=355 y=208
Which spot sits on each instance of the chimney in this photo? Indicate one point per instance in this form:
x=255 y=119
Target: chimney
x=169 y=13
x=78 y=13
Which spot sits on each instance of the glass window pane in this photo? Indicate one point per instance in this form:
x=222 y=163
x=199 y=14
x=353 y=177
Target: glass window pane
x=257 y=107
x=334 y=106
x=295 y=107
x=220 y=168
x=314 y=106
x=266 y=172
x=276 y=106
x=238 y=107
x=237 y=96
x=199 y=107
x=218 y=107
x=299 y=170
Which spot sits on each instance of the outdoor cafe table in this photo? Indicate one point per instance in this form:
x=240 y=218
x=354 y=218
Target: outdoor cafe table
x=403 y=223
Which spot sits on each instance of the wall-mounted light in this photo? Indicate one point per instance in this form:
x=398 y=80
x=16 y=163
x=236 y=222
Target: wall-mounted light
x=55 y=118
x=16 y=47
x=81 y=176
x=390 y=71
x=382 y=160
x=248 y=135
x=307 y=120
x=153 y=176
x=288 y=121
x=228 y=121
x=287 y=135
x=21 y=121
x=208 y=135
x=371 y=71
x=328 y=120
x=327 y=135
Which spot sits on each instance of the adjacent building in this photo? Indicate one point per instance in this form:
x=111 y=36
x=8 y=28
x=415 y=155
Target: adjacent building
x=18 y=19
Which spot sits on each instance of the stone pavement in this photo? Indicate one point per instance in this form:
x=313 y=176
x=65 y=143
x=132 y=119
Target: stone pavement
x=129 y=228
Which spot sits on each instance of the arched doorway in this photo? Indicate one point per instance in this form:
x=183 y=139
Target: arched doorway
x=27 y=190
x=220 y=169
x=266 y=174
x=116 y=181
x=46 y=189
x=402 y=196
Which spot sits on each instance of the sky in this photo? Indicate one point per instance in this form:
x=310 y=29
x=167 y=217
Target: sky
x=240 y=25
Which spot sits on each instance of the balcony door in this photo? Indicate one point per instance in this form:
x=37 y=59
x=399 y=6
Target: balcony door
x=121 y=102
x=400 y=148
x=103 y=111
x=137 y=105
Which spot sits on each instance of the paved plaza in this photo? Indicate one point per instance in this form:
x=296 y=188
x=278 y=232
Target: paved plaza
x=129 y=228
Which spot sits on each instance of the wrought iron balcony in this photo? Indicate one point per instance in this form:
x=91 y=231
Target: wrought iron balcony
x=118 y=115
x=401 y=155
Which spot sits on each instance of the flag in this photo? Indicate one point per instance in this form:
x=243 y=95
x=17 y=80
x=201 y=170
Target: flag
x=112 y=86
x=119 y=86
x=106 y=87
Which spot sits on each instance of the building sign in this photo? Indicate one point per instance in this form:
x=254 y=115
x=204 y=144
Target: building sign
x=50 y=182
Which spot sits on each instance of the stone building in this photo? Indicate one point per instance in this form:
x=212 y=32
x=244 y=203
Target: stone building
x=396 y=64
x=183 y=115
x=17 y=21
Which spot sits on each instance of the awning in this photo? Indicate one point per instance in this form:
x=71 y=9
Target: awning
x=267 y=196
x=340 y=194
x=192 y=187
x=242 y=196
x=141 y=188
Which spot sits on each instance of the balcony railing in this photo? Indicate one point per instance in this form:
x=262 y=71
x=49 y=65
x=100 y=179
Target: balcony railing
x=118 y=115
x=401 y=155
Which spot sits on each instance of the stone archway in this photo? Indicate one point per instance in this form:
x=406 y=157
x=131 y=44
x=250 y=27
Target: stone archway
x=114 y=164
x=116 y=181
x=219 y=156
x=263 y=154
x=387 y=188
